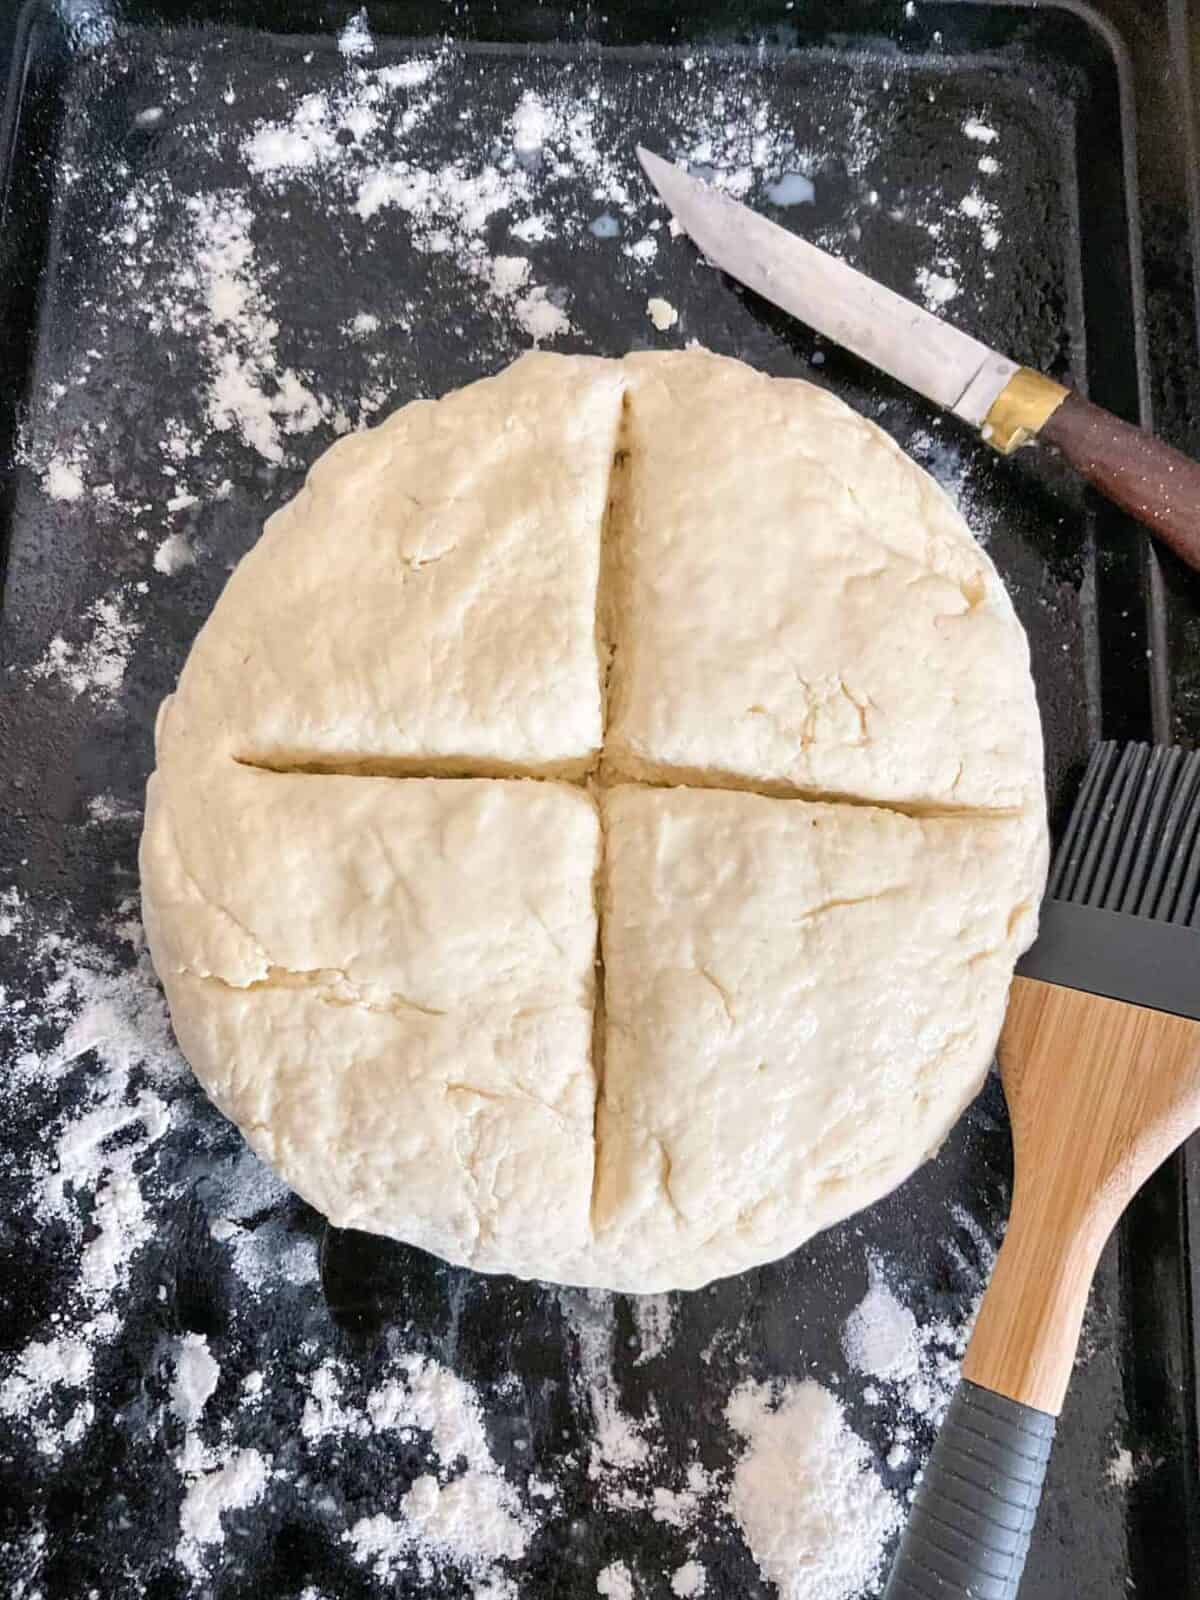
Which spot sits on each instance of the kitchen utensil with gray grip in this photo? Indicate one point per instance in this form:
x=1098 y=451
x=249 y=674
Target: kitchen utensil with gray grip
x=1100 y=1059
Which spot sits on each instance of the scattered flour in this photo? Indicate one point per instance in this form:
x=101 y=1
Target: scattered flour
x=10 y=911
x=689 y=1580
x=914 y=1366
x=937 y=289
x=550 y=161
x=629 y=1470
x=197 y=1374
x=792 y=189
x=619 y=1442
x=661 y=313
x=654 y=1317
x=212 y=1491
x=949 y=457
x=40 y=1375
x=62 y=479
x=296 y=146
x=1122 y=1469
x=467 y=1524
x=408 y=74
x=881 y=1336
x=531 y=124
x=110 y=1046
x=324 y=1415
x=531 y=230
x=95 y=1043
x=119 y=1215
x=451 y=208
x=248 y=390
x=467 y=1521
x=977 y=1262
x=805 y=1494
x=680 y=1508
x=355 y=41
x=173 y=555
x=615 y=1582
x=986 y=213
x=267 y=1253
x=95 y=666
x=540 y=318
x=508 y=274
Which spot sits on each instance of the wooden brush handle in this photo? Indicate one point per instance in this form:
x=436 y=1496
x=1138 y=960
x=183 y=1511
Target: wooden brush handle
x=1154 y=483
x=1029 y=1323
x=1099 y=1093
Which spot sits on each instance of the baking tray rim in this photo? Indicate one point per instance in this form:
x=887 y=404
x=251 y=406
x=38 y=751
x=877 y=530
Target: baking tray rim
x=33 y=14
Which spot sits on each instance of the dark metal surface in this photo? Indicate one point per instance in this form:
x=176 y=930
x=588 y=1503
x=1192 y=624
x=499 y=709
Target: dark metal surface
x=1062 y=293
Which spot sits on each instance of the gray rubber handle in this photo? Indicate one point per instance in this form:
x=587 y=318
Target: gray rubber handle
x=974 y=1509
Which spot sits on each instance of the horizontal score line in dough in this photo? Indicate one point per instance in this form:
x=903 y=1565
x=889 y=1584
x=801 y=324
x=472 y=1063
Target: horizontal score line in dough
x=795 y=999
x=598 y=775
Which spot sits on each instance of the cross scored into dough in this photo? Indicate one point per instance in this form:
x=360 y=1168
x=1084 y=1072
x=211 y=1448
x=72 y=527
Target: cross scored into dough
x=594 y=831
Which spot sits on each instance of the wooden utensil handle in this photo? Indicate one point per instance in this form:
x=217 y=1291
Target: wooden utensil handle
x=1099 y=1093
x=1154 y=483
x=1028 y=1327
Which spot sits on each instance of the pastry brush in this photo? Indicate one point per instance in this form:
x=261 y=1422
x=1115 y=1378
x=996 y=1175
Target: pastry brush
x=1100 y=1060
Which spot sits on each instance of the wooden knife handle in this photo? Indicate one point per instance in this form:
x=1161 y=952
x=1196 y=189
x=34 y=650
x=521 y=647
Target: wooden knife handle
x=1154 y=483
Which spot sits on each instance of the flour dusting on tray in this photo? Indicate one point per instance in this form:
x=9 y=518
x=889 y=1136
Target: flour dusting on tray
x=293 y=236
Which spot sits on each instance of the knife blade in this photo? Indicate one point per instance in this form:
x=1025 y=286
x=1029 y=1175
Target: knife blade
x=936 y=359
x=1011 y=405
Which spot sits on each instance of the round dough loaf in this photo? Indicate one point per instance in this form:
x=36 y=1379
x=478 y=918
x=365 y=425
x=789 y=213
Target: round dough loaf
x=593 y=833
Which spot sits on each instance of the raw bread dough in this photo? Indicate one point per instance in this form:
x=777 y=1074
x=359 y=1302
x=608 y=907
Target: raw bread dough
x=388 y=984
x=392 y=828
x=804 y=609
x=427 y=602
x=800 y=998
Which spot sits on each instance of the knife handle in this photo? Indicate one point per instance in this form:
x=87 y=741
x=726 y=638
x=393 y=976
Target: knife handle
x=1153 y=482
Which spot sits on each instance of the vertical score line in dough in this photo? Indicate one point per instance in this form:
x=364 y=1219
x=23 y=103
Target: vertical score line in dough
x=599 y=1009
x=607 y=606
x=609 y=596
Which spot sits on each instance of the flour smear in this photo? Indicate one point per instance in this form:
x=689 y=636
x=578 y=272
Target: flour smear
x=815 y=1515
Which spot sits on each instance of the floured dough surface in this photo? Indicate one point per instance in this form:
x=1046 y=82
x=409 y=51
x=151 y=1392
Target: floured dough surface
x=389 y=985
x=454 y=870
x=787 y=984
x=428 y=600
x=803 y=608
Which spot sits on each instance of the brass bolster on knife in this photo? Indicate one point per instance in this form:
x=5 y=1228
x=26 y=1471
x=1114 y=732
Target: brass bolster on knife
x=1020 y=409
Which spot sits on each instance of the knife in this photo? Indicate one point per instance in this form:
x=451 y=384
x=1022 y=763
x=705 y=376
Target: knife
x=1009 y=404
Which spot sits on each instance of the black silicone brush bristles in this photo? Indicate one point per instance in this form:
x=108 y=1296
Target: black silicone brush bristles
x=1133 y=841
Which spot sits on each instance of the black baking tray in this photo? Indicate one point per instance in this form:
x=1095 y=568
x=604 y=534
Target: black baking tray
x=1090 y=218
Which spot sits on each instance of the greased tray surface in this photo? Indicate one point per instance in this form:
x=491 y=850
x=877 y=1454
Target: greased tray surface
x=205 y=322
